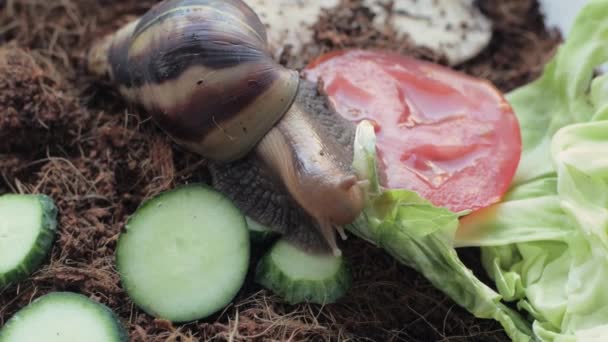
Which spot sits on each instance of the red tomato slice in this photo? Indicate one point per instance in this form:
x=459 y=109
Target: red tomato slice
x=450 y=137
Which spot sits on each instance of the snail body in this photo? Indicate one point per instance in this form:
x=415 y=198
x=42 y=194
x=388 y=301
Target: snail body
x=203 y=71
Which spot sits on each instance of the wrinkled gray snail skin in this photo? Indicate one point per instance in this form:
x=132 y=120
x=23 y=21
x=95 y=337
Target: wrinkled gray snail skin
x=202 y=70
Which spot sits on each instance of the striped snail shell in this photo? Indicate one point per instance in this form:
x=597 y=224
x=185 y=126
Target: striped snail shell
x=203 y=70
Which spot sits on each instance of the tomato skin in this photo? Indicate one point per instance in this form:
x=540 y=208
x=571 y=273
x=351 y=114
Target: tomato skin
x=450 y=137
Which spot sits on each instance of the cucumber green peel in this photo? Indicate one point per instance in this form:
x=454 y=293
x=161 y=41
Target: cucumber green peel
x=546 y=243
x=27 y=231
x=298 y=277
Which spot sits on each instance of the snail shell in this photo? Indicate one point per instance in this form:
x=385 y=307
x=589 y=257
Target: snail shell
x=203 y=70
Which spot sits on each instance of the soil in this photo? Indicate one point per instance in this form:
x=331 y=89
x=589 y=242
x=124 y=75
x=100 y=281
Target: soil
x=73 y=138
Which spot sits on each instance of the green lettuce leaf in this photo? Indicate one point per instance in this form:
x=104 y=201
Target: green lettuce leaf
x=421 y=236
x=560 y=96
x=546 y=244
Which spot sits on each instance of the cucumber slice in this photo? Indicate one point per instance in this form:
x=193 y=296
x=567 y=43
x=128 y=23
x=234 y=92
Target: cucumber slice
x=27 y=230
x=259 y=233
x=64 y=317
x=300 y=277
x=184 y=254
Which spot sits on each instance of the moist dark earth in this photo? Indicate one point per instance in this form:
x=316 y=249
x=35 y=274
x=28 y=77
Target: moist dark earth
x=73 y=138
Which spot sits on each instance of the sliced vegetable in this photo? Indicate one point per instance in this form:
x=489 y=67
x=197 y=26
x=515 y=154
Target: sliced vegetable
x=300 y=277
x=27 y=230
x=449 y=137
x=184 y=254
x=64 y=317
x=259 y=233
x=421 y=236
x=546 y=244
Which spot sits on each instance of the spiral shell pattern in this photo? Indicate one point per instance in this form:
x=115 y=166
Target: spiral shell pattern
x=203 y=70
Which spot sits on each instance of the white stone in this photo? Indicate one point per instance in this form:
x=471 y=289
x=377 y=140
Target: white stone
x=453 y=28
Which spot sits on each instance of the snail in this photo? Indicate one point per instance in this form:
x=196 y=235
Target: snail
x=203 y=71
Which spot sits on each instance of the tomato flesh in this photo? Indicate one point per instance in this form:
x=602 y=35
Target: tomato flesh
x=450 y=137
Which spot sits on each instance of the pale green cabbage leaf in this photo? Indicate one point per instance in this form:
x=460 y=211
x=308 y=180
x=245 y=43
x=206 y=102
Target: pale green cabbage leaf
x=545 y=244
x=421 y=236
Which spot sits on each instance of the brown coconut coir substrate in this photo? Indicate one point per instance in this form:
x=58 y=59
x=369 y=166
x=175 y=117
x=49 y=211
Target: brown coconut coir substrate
x=74 y=139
